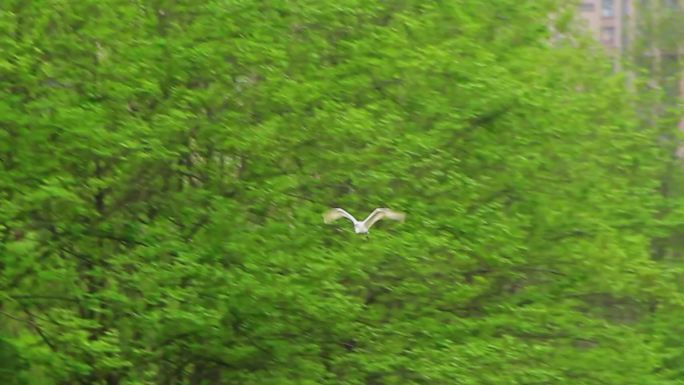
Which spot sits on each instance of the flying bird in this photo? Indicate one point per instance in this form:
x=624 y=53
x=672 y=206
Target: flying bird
x=361 y=227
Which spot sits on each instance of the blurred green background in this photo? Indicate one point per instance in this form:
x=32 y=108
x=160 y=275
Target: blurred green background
x=165 y=164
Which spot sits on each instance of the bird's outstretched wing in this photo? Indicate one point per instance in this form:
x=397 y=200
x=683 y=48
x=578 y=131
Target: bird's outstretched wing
x=381 y=213
x=337 y=213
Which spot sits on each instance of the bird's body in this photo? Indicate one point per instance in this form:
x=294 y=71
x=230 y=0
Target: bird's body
x=361 y=227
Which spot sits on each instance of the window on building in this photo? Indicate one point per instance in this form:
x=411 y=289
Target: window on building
x=587 y=7
x=607 y=8
x=608 y=35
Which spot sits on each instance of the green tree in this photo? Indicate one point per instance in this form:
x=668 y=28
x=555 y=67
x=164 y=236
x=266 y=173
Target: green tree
x=655 y=56
x=165 y=164
x=12 y=365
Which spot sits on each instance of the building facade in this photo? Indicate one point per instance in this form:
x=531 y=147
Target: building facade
x=609 y=21
x=614 y=24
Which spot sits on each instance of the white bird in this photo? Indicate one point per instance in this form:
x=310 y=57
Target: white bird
x=361 y=227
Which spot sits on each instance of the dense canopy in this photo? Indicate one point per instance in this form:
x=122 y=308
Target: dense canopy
x=165 y=165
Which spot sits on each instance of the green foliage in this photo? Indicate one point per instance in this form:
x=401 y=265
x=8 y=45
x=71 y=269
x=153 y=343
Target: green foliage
x=655 y=56
x=165 y=165
x=12 y=365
